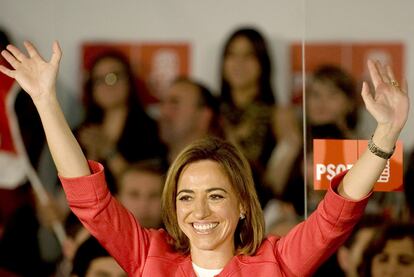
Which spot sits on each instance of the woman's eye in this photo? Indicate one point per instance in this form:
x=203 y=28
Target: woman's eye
x=216 y=196
x=185 y=198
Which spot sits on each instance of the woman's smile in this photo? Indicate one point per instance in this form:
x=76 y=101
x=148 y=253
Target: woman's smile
x=204 y=228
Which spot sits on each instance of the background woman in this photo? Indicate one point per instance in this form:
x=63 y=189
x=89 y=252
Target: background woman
x=250 y=118
x=116 y=128
x=247 y=95
x=331 y=99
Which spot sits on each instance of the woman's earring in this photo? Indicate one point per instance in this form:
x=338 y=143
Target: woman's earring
x=242 y=216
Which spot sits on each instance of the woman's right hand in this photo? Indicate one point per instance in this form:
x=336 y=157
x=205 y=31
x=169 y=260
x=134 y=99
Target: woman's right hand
x=36 y=76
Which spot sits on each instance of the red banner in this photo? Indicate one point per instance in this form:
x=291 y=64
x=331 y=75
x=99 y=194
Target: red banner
x=331 y=157
x=351 y=56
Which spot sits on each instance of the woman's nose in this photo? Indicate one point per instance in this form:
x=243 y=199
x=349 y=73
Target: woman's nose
x=201 y=208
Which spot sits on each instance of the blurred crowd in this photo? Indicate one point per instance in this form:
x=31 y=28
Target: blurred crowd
x=136 y=150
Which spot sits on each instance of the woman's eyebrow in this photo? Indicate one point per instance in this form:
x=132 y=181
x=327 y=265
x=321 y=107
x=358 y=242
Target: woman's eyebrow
x=208 y=190
x=185 y=191
x=213 y=189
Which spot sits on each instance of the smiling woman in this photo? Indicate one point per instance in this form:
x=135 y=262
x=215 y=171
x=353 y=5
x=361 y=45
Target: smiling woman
x=208 y=212
x=213 y=177
x=211 y=211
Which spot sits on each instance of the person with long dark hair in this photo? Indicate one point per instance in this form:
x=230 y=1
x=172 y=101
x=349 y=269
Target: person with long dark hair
x=116 y=129
x=247 y=95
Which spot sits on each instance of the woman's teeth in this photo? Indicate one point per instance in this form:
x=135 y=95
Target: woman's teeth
x=204 y=227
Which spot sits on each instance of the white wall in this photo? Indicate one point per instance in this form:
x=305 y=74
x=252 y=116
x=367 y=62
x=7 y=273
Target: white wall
x=205 y=24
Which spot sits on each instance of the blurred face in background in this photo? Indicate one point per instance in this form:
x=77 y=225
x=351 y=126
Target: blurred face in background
x=396 y=259
x=327 y=104
x=110 y=83
x=140 y=192
x=180 y=113
x=241 y=66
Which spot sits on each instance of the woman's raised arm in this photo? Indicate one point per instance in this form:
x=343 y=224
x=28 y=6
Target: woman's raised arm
x=389 y=105
x=38 y=78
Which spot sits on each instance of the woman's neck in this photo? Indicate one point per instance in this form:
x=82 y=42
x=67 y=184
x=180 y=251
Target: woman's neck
x=244 y=96
x=211 y=259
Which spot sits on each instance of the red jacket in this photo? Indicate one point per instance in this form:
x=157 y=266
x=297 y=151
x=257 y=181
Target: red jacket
x=145 y=252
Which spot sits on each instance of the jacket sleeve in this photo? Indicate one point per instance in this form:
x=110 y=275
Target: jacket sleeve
x=311 y=242
x=106 y=219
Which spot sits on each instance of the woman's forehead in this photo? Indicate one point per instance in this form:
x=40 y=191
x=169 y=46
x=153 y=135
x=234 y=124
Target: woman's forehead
x=204 y=174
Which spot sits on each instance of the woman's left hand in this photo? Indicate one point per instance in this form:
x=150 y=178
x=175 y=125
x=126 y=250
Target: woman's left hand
x=389 y=104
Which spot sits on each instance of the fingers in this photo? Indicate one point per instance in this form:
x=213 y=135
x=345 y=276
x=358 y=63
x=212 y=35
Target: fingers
x=57 y=53
x=390 y=73
x=16 y=58
x=16 y=52
x=10 y=58
x=375 y=73
x=7 y=71
x=380 y=73
x=31 y=49
x=383 y=71
x=367 y=96
x=33 y=53
x=404 y=85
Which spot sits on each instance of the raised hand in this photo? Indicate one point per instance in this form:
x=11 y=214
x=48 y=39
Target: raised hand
x=389 y=104
x=36 y=76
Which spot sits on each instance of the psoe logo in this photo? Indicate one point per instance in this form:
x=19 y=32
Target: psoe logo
x=331 y=170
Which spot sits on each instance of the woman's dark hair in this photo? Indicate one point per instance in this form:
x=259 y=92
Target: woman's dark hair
x=342 y=80
x=94 y=113
x=390 y=231
x=261 y=52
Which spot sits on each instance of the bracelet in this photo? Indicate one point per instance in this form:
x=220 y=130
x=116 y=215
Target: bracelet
x=378 y=151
